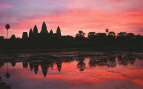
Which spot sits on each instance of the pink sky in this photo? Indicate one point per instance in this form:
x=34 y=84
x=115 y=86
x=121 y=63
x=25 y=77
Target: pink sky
x=72 y=15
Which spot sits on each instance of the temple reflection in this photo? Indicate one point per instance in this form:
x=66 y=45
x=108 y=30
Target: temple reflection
x=7 y=74
x=36 y=68
x=13 y=63
x=44 y=68
x=25 y=65
x=81 y=64
x=48 y=63
x=59 y=65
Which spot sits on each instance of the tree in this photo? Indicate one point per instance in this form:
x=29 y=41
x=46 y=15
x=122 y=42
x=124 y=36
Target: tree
x=111 y=34
x=131 y=35
x=81 y=65
x=7 y=26
x=107 y=30
x=7 y=75
x=91 y=35
x=80 y=35
x=122 y=34
x=13 y=37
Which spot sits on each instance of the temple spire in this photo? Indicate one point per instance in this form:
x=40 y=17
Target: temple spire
x=51 y=32
x=44 y=29
x=58 y=32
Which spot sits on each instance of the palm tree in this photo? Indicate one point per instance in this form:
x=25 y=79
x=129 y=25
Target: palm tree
x=7 y=26
x=107 y=31
x=7 y=75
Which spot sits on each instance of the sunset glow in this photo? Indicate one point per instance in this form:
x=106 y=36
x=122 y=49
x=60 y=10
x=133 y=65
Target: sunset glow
x=72 y=15
x=129 y=76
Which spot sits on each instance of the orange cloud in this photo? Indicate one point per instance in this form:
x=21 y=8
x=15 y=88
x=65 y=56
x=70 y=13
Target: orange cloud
x=86 y=20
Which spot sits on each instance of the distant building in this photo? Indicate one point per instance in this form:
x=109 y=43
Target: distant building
x=30 y=34
x=51 y=32
x=101 y=35
x=122 y=34
x=91 y=35
x=58 y=32
x=25 y=36
x=35 y=33
x=44 y=29
x=35 y=30
x=44 y=34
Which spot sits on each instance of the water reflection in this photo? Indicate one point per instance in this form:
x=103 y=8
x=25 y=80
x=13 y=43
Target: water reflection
x=71 y=64
x=45 y=64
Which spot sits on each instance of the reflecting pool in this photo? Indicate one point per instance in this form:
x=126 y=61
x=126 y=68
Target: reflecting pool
x=73 y=70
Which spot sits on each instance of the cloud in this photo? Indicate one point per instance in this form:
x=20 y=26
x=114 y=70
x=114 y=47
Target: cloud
x=73 y=15
x=2 y=6
x=87 y=20
x=118 y=2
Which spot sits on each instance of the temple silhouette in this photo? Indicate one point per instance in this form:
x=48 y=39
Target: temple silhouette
x=94 y=41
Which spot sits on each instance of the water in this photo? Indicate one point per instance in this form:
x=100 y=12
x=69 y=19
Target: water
x=73 y=70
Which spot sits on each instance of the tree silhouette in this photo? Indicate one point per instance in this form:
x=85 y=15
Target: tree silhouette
x=80 y=35
x=7 y=26
x=91 y=35
x=7 y=75
x=111 y=34
x=122 y=34
x=81 y=64
x=131 y=35
x=13 y=37
x=107 y=30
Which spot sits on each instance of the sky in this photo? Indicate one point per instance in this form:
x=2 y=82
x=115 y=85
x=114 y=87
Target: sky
x=72 y=15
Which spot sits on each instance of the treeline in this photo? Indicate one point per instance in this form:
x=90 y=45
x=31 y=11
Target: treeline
x=50 y=40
